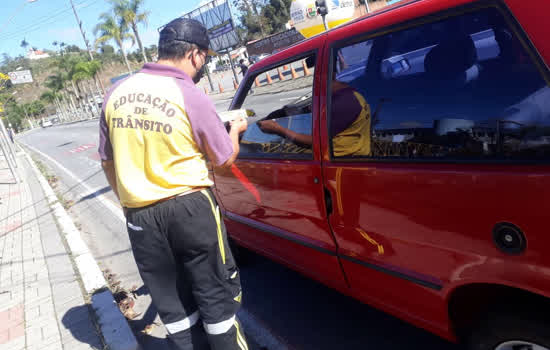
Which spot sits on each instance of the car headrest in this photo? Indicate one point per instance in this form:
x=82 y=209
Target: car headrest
x=310 y=62
x=451 y=58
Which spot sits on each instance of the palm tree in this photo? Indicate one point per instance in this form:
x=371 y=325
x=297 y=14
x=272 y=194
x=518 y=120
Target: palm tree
x=48 y=96
x=130 y=13
x=86 y=70
x=109 y=29
x=65 y=65
x=24 y=44
x=56 y=83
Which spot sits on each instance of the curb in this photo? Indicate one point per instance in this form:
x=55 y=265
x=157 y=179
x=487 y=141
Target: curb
x=78 y=121
x=113 y=325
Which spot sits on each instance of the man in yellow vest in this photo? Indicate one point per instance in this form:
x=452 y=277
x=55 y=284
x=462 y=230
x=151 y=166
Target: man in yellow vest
x=350 y=130
x=156 y=131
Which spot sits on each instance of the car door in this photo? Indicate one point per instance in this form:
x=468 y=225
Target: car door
x=429 y=114
x=273 y=195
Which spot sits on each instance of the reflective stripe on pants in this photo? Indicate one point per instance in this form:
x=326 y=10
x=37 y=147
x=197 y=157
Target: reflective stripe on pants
x=180 y=247
x=182 y=325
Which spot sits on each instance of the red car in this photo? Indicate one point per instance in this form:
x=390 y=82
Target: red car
x=403 y=159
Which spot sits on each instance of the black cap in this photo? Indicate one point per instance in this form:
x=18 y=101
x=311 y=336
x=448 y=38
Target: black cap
x=188 y=30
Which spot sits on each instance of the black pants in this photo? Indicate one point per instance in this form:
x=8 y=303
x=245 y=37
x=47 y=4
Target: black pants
x=181 y=250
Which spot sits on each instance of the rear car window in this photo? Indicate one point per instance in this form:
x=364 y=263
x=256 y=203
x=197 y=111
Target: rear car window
x=283 y=102
x=459 y=88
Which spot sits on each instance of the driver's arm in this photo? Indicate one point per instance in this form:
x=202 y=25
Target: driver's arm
x=271 y=126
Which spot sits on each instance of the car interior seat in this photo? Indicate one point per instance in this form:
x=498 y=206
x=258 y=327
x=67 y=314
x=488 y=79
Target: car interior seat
x=452 y=62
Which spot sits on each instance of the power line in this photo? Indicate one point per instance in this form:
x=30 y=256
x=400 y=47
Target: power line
x=37 y=24
x=17 y=10
x=49 y=20
x=38 y=20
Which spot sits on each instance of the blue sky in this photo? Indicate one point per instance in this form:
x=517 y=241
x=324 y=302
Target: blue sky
x=44 y=21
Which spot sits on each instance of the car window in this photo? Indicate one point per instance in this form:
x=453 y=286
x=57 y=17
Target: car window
x=352 y=61
x=281 y=98
x=458 y=88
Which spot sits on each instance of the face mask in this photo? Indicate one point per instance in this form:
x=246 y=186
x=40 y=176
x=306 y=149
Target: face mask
x=199 y=75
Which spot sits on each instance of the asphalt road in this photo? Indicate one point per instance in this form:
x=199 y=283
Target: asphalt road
x=281 y=309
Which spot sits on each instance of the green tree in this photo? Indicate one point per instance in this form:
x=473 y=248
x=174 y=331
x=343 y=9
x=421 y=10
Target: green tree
x=106 y=54
x=107 y=49
x=57 y=85
x=48 y=97
x=136 y=56
x=72 y=48
x=35 y=108
x=279 y=13
x=66 y=65
x=85 y=70
x=14 y=116
x=151 y=51
x=13 y=113
x=131 y=14
x=6 y=58
x=261 y=18
x=109 y=29
x=56 y=82
x=53 y=97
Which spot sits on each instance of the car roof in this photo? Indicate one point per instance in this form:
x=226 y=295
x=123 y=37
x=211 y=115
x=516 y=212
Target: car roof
x=314 y=42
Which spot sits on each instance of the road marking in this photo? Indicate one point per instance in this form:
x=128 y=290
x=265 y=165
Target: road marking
x=82 y=148
x=116 y=210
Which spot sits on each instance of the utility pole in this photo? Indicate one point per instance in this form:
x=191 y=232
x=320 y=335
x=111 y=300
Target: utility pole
x=232 y=66
x=79 y=22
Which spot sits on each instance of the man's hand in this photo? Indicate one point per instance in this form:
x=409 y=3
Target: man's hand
x=239 y=125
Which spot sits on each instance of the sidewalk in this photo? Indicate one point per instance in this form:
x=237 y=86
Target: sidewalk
x=42 y=305
x=45 y=289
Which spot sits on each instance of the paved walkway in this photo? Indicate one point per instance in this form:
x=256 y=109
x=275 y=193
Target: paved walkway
x=41 y=302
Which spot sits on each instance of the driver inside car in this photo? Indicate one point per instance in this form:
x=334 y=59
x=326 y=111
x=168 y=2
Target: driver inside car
x=350 y=127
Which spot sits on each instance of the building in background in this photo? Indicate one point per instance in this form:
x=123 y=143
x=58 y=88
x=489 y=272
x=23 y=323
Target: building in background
x=36 y=54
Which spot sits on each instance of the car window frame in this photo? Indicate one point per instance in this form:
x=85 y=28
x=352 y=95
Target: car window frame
x=243 y=93
x=510 y=20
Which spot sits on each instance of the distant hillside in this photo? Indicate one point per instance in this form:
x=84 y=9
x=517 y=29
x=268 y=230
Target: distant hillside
x=42 y=68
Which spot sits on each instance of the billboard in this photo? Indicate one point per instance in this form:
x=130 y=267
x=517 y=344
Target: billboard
x=20 y=77
x=274 y=43
x=216 y=17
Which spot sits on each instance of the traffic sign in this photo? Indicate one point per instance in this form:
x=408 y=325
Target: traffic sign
x=20 y=77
